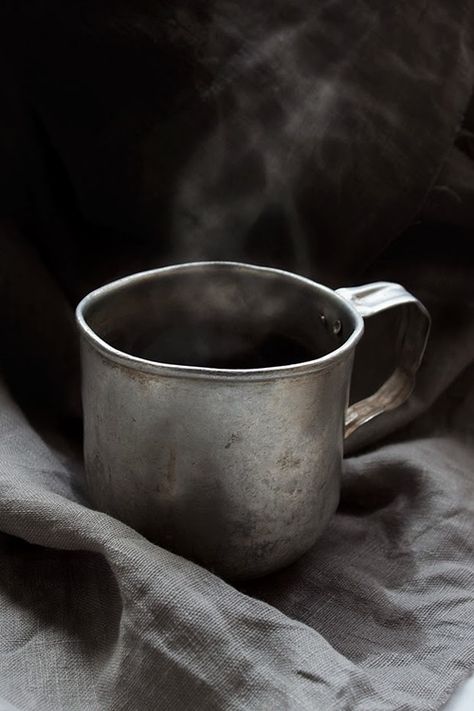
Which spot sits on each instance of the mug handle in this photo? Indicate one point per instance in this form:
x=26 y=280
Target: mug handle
x=371 y=299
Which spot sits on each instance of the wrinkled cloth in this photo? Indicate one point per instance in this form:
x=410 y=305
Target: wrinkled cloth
x=328 y=138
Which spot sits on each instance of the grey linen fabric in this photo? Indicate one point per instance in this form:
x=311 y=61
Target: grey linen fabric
x=330 y=140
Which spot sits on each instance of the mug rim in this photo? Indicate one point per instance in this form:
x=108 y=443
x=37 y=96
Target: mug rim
x=152 y=367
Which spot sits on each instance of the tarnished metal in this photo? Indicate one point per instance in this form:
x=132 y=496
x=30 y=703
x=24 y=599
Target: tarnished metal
x=214 y=400
x=370 y=300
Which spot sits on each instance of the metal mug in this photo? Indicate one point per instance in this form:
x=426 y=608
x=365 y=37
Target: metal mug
x=215 y=405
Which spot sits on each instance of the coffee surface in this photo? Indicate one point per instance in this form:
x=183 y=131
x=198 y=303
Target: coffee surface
x=271 y=351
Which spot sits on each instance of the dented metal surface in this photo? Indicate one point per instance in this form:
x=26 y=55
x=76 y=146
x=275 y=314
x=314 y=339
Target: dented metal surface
x=238 y=469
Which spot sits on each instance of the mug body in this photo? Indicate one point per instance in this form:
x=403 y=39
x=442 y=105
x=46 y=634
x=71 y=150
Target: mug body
x=214 y=397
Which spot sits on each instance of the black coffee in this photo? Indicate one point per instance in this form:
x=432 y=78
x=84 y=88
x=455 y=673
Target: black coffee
x=235 y=352
x=274 y=350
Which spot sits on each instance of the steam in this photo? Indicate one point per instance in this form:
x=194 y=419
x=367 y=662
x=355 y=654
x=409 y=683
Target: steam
x=271 y=110
x=294 y=112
